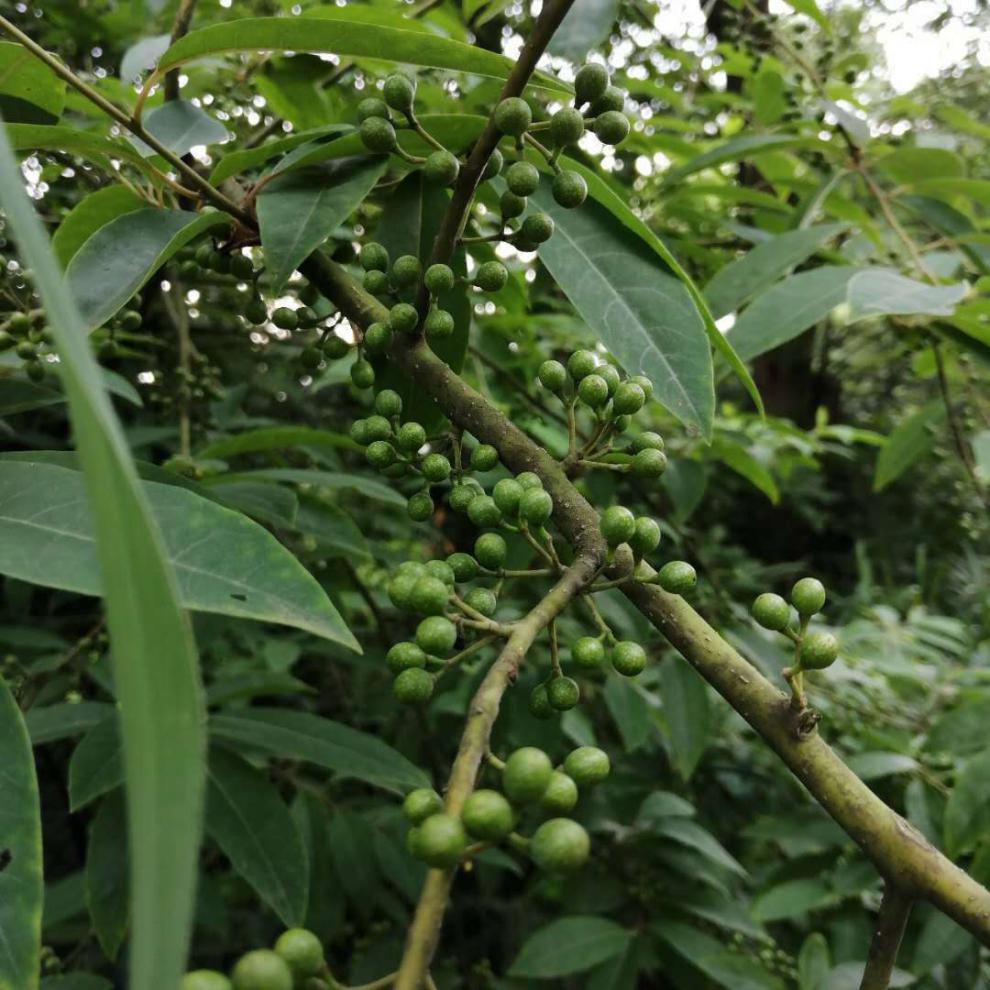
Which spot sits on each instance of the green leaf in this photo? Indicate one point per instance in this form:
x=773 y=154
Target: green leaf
x=155 y=663
x=967 y=812
x=738 y=149
x=180 y=126
x=585 y=27
x=960 y=731
x=814 y=963
x=273 y=438
x=20 y=839
x=122 y=255
x=642 y=314
x=298 y=211
x=881 y=291
x=689 y=833
x=250 y=823
x=345 y=751
x=810 y=8
x=909 y=164
x=55 y=722
x=223 y=562
x=687 y=710
x=940 y=942
x=569 y=945
x=243 y=687
x=782 y=313
x=96 y=766
x=30 y=93
x=88 y=215
x=320 y=36
x=106 y=874
x=17 y=396
x=43 y=137
x=980 y=443
x=743 y=463
x=910 y=441
x=142 y=56
x=961 y=120
x=76 y=981
x=369 y=488
x=243 y=159
x=791 y=898
x=874 y=765
x=630 y=711
x=759 y=268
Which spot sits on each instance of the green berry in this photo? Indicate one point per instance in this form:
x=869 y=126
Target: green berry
x=490 y=550
x=439 y=324
x=388 y=402
x=335 y=347
x=436 y=635
x=359 y=432
x=403 y=656
x=410 y=438
x=413 y=687
x=818 y=650
x=537 y=228
x=612 y=100
x=285 y=318
x=563 y=693
x=205 y=979
x=442 y=570
x=590 y=83
x=587 y=765
x=377 y=338
x=588 y=653
x=420 y=507
x=130 y=320
x=536 y=506
x=526 y=775
x=513 y=116
x=808 y=596
x=581 y=364
x=569 y=189
x=261 y=969
x=539 y=703
x=26 y=351
x=371 y=107
x=493 y=166
x=593 y=391
x=255 y=311
x=406 y=271
x=491 y=276
x=464 y=566
x=649 y=463
x=482 y=600
x=612 y=127
x=560 y=845
x=484 y=457
x=435 y=468
x=439 y=278
x=646 y=537
x=362 y=374
x=483 y=511
x=553 y=376
x=403 y=318
x=628 y=658
x=241 y=266
x=566 y=127
x=629 y=398
x=399 y=91
x=645 y=384
x=647 y=441
x=35 y=371
x=420 y=804
x=441 y=841
x=374 y=257
x=376 y=283
x=302 y=950
x=487 y=816
x=528 y=479
x=377 y=135
x=510 y=205
x=618 y=525
x=678 y=577
x=429 y=596
x=380 y=454
x=771 y=611
x=442 y=168
x=311 y=358
x=20 y=323
x=462 y=495
x=522 y=178
x=611 y=375
x=507 y=494
x=561 y=794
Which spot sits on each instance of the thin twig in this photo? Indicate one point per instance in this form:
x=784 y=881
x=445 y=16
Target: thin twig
x=895 y=907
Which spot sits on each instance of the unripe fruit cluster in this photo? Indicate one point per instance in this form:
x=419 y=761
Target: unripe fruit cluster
x=814 y=650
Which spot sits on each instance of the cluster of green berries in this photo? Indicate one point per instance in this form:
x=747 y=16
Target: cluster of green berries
x=296 y=961
x=529 y=781
x=23 y=334
x=815 y=650
x=642 y=535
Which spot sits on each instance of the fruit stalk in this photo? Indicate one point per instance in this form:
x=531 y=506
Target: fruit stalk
x=895 y=907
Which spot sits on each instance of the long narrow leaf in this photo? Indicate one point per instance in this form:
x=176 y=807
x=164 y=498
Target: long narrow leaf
x=155 y=666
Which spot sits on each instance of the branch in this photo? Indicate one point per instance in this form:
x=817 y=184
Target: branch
x=183 y=18
x=424 y=932
x=897 y=849
x=891 y=922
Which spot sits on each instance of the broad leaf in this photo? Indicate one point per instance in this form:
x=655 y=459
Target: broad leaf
x=106 y=874
x=180 y=126
x=250 y=823
x=96 y=766
x=142 y=56
x=44 y=137
x=967 y=813
x=18 y=395
x=881 y=291
x=874 y=765
x=297 y=212
x=122 y=255
x=586 y=25
x=743 y=463
x=644 y=315
x=759 y=268
x=687 y=710
x=630 y=711
x=569 y=945
x=814 y=962
x=344 y=37
x=794 y=897
x=273 y=438
x=223 y=562
x=243 y=159
x=369 y=488
x=690 y=833
x=88 y=215
x=20 y=842
x=909 y=164
x=155 y=663
x=30 y=93
x=76 y=981
x=739 y=149
x=300 y=736
x=55 y=722
x=910 y=441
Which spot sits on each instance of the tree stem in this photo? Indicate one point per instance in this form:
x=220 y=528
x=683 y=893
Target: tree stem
x=180 y=26
x=891 y=922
